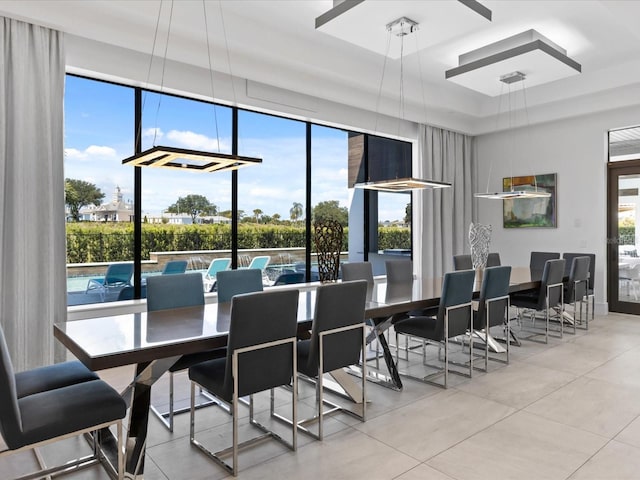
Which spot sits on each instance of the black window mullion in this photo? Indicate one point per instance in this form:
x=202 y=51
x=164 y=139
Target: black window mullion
x=137 y=198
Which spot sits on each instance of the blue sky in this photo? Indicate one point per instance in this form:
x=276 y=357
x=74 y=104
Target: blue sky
x=99 y=133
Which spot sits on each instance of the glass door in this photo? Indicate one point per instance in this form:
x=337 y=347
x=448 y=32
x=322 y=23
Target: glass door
x=624 y=237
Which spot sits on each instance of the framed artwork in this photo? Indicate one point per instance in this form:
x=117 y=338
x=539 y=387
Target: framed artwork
x=530 y=212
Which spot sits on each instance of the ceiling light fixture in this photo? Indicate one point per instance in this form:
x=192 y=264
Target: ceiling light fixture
x=182 y=158
x=543 y=60
x=401 y=28
x=533 y=192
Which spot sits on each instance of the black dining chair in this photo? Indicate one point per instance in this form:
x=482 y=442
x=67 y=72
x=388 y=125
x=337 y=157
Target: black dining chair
x=257 y=359
x=178 y=291
x=537 y=260
x=576 y=289
x=591 y=299
x=462 y=262
x=453 y=319
x=47 y=404
x=493 y=260
x=493 y=309
x=236 y=282
x=337 y=340
x=548 y=299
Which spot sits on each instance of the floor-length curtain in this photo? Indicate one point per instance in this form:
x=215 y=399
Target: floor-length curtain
x=445 y=156
x=32 y=229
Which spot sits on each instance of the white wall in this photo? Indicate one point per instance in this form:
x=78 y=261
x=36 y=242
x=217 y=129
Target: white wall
x=575 y=149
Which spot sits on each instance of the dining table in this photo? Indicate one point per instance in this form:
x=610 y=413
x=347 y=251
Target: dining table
x=154 y=341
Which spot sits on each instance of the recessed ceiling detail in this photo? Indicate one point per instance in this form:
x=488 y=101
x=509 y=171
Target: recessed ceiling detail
x=531 y=53
x=363 y=22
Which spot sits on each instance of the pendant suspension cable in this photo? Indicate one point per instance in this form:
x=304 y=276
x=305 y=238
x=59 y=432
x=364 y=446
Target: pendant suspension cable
x=215 y=110
x=496 y=129
x=526 y=116
x=164 y=64
x=226 y=46
x=153 y=49
x=384 y=68
x=424 y=99
x=401 y=102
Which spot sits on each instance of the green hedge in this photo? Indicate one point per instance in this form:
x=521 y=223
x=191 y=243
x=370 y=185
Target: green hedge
x=627 y=235
x=89 y=242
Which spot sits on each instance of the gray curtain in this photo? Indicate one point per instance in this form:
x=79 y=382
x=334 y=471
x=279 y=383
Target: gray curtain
x=32 y=228
x=447 y=213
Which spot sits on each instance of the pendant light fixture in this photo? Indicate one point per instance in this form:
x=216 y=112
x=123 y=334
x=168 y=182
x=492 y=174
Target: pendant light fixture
x=401 y=27
x=182 y=158
x=509 y=79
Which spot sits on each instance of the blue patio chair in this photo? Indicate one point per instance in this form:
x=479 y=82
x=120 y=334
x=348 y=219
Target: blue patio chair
x=174 y=266
x=289 y=278
x=260 y=262
x=216 y=265
x=117 y=276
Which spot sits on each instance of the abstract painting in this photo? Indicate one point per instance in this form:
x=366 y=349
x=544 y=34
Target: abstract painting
x=530 y=212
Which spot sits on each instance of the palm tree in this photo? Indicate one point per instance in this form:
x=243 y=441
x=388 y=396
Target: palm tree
x=257 y=212
x=296 y=211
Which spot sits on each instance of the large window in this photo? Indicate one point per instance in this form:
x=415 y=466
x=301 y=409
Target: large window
x=99 y=191
x=186 y=216
x=189 y=219
x=271 y=196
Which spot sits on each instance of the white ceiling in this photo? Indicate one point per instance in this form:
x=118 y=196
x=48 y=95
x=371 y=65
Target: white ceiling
x=276 y=43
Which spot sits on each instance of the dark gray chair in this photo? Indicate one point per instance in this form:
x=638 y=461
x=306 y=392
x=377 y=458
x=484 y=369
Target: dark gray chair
x=548 y=299
x=399 y=279
x=178 y=291
x=453 y=319
x=493 y=308
x=359 y=271
x=235 y=282
x=493 y=260
x=576 y=289
x=537 y=260
x=289 y=278
x=43 y=405
x=257 y=359
x=363 y=271
x=337 y=340
x=591 y=299
x=462 y=262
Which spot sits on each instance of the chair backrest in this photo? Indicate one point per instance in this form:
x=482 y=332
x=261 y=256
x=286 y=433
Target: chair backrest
x=457 y=288
x=552 y=274
x=495 y=284
x=337 y=305
x=538 y=260
x=269 y=367
x=592 y=265
x=289 y=278
x=260 y=262
x=399 y=279
x=236 y=282
x=462 y=262
x=174 y=291
x=118 y=274
x=578 y=282
x=217 y=265
x=493 y=260
x=127 y=292
x=10 y=420
x=359 y=271
x=174 y=266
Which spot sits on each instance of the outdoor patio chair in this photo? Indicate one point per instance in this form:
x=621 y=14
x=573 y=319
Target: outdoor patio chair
x=117 y=276
x=174 y=266
x=216 y=265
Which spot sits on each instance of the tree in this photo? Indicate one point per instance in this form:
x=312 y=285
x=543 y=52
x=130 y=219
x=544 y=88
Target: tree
x=276 y=218
x=257 y=213
x=407 y=214
x=331 y=210
x=193 y=205
x=296 y=211
x=78 y=194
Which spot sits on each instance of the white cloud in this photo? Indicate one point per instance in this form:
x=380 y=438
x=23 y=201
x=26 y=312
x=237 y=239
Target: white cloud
x=196 y=141
x=152 y=132
x=91 y=152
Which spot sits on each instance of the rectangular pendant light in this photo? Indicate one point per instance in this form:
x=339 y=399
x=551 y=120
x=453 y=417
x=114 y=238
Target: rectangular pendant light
x=513 y=194
x=191 y=160
x=402 y=184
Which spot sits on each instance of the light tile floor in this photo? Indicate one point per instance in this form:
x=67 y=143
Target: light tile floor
x=566 y=410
